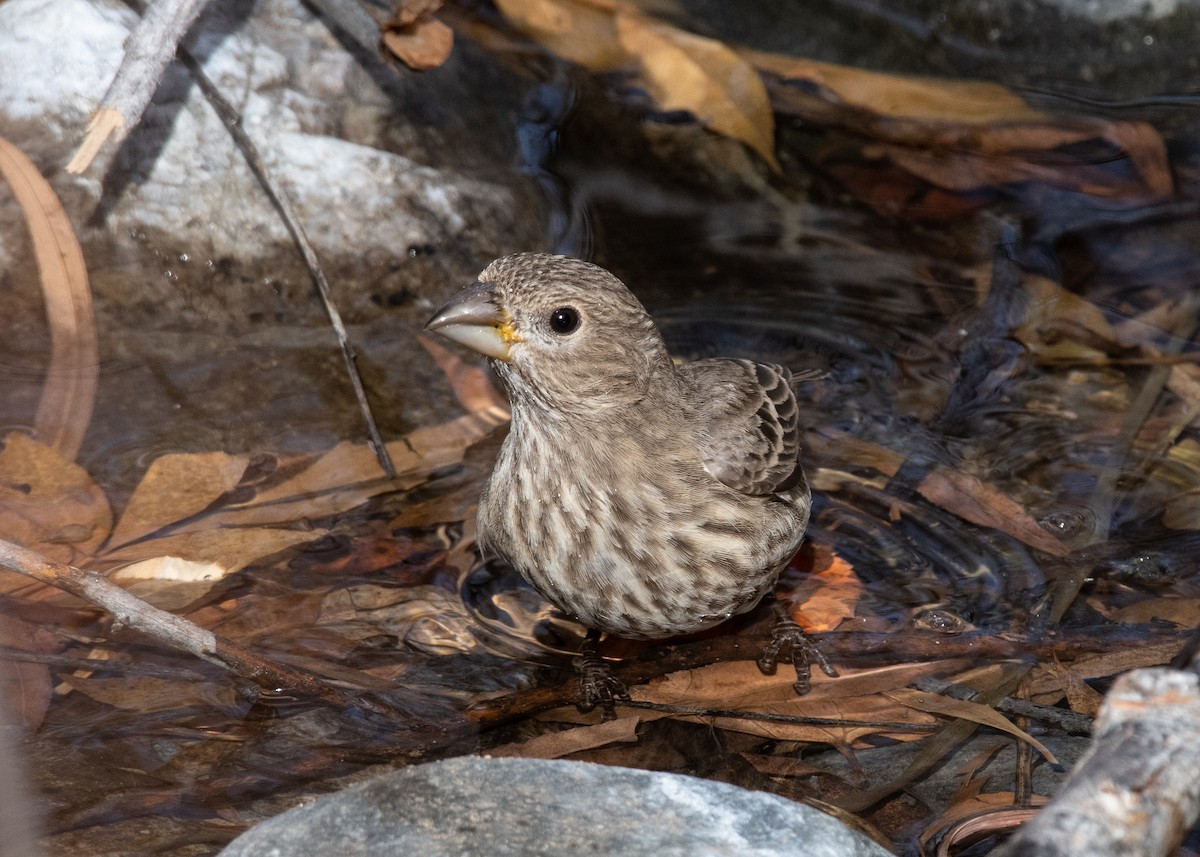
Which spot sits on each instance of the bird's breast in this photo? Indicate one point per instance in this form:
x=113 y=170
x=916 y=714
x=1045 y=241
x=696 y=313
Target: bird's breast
x=629 y=536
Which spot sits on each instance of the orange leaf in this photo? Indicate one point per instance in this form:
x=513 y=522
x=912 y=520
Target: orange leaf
x=827 y=597
x=703 y=76
x=969 y=102
x=576 y=30
x=421 y=45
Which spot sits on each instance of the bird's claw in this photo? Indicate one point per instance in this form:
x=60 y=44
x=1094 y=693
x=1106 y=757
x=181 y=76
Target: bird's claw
x=797 y=648
x=598 y=686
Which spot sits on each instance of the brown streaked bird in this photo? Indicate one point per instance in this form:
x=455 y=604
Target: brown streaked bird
x=645 y=499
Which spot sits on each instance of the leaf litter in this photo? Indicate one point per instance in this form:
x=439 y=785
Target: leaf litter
x=195 y=536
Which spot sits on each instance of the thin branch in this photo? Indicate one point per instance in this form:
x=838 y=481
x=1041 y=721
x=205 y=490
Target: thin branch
x=1136 y=792
x=1068 y=721
x=233 y=124
x=148 y=51
x=179 y=633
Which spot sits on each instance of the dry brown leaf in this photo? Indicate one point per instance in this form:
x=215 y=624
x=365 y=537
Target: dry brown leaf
x=576 y=30
x=231 y=548
x=73 y=373
x=980 y=503
x=25 y=687
x=973 y=711
x=1184 y=612
x=960 y=135
x=410 y=11
x=974 y=817
x=1146 y=149
x=176 y=487
x=826 y=597
x=683 y=71
x=1104 y=665
x=49 y=504
x=740 y=684
x=421 y=45
x=958 y=493
x=1051 y=304
x=1082 y=698
x=1183 y=512
x=349 y=475
x=148 y=694
x=555 y=745
x=927 y=99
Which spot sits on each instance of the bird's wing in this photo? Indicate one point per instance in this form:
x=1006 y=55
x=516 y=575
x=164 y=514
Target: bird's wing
x=748 y=424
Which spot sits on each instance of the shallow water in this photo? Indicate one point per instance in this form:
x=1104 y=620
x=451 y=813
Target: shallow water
x=921 y=324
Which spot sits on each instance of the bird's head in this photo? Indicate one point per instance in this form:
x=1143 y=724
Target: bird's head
x=564 y=332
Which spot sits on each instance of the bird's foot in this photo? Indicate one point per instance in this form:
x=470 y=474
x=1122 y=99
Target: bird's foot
x=797 y=648
x=597 y=684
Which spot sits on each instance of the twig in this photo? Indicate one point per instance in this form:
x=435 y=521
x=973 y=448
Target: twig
x=1068 y=721
x=850 y=649
x=148 y=51
x=179 y=633
x=1136 y=792
x=233 y=124
x=772 y=717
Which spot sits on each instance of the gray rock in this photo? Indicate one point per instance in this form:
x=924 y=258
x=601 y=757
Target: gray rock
x=495 y=807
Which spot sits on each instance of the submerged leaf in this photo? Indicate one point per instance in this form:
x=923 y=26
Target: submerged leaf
x=826 y=597
x=973 y=711
x=176 y=487
x=48 y=503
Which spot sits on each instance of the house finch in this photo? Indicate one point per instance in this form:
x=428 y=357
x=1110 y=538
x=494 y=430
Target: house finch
x=645 y=499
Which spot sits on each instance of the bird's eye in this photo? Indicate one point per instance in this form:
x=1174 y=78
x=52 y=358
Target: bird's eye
x=564 y=320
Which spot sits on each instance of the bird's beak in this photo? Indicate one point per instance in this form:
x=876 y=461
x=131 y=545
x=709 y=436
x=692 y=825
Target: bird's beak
x=473 y=318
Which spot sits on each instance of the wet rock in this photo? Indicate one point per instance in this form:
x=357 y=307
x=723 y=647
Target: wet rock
x=499 y=807
x=406 y=184
x=372 y=158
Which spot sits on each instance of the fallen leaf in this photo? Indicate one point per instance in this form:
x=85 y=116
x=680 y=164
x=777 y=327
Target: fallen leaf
x=1049 y=305
x=576 y=30
x=48 y=503
x=927 y=99
x=1184 y=612
x=411 y=11
x=975 y=712
x=421 y=45
x=230 y=548
x=1103 y=665
x=980 y=503
x=72 y=375
x=175 y=487
x=349 y=474
x=965 y=136
x=146 y=694
x=26 y=687
x=826 y=597
x=683 y=71
x=555 y=745
x=472 y=383
x=168 y=582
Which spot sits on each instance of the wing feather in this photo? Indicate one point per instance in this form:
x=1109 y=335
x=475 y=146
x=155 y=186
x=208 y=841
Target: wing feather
x=748 y=424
